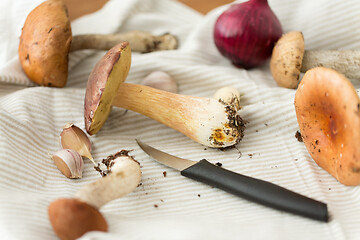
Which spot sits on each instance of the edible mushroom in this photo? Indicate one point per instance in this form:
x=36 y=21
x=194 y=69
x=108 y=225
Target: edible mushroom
x=328 y=112
x=46 y=41
x=289 y=59
x=73 y=217
x=205 y=120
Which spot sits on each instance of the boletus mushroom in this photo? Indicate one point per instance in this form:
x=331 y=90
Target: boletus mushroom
x=46 y=40
x=207 y=121
x=73 y=217
x=289 y=59
x=328 y=112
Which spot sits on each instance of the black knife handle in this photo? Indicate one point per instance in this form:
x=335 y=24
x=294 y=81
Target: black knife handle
x=257 y=190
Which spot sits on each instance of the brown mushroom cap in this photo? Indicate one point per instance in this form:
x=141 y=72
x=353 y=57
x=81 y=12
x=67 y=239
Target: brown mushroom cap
x=71 y=218
x=103 y=84
x=286 y=59
x=44 y=44
x=328 y=112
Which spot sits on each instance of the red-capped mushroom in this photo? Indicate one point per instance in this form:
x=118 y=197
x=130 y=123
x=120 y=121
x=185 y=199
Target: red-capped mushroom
x=328 y=112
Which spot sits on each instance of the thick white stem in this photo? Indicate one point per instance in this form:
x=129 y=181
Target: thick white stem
x=346 y=62
x=125 y=176
x=205 y=120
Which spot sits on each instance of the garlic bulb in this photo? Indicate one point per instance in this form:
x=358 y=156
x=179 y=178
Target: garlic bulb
x=69 y=162
x=72 y=137
x=160 y=80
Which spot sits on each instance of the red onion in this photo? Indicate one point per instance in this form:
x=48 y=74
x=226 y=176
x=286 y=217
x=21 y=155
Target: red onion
x=246 y=33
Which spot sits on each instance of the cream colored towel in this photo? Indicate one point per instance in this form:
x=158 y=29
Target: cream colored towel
x=31 y=119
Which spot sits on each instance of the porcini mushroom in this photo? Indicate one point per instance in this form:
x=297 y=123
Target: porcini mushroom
x=46 y=41
x=205 y=120
x=71 y=218
x=289 y=59
x=328 y=112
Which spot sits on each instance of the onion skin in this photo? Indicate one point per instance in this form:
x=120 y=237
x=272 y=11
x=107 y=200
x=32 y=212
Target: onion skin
x=247 y=32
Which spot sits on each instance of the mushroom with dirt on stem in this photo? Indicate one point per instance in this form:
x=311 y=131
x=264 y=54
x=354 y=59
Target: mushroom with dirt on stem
x=328 y=112
x=73 y=217
x=289 y=59
x=46 y=40
x=205 y=120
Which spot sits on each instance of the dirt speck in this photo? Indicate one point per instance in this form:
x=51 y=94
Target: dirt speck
x=298 y=136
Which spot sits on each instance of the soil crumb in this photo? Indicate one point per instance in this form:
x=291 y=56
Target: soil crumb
x=298 y=136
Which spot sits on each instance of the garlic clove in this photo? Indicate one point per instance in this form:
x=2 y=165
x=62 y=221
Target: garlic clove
x=69 y=162
x=228 y=96
x=161 y=80
x=72 y=137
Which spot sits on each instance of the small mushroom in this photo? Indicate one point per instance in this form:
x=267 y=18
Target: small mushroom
x=205 y=120
x=289 y=59
x=46 y=41
x=72 y=218
x=328 y=112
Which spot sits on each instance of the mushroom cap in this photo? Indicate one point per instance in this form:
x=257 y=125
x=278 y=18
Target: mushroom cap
x=103 y=84
x=286 y=59
x=44 y=44
x=328 y=112
x=71 y=218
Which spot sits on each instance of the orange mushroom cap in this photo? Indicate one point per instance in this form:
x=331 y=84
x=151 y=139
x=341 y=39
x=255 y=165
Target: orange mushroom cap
x=45 y=43
x=328 y=112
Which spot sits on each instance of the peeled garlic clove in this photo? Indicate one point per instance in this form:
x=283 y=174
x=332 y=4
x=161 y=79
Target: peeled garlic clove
x=69 y=162
x=72 y=137
x=160 y=80
x=228 y=95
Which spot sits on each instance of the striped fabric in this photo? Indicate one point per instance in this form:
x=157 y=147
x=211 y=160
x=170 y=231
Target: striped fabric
x=32 y=117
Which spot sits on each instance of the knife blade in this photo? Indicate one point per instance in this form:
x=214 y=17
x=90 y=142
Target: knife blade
x=252 y=189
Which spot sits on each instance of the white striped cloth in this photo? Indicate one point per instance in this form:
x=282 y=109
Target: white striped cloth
x=31 y=119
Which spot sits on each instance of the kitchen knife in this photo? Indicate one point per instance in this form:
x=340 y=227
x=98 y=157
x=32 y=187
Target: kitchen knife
x=252 y=189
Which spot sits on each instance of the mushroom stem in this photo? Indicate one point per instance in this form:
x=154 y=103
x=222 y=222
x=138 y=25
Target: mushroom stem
x=346 y=62
x=140 y=41
x=72 y=218
x=204 y=120
x=125 y=176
